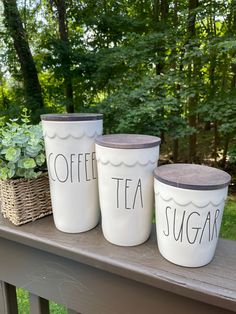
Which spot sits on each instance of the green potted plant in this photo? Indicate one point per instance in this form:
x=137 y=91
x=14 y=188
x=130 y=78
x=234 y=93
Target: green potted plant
x=24 y=184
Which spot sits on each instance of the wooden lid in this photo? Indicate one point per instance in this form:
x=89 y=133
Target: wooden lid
x=128 y=141
x=71 y=117
x=193 y=177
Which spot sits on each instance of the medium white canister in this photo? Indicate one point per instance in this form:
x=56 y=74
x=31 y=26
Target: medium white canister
x=70 y=151
x=189 y=207
x=125 y=175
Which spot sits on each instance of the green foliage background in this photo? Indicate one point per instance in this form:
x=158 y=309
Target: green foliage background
x=150 y=66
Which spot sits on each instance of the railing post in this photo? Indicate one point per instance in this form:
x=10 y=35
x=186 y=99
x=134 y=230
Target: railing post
x=38 y=305
x=8 y=300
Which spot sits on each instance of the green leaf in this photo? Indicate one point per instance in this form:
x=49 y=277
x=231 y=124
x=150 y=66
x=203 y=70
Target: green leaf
x=13 y=154
x=20 y=172
x=4 y=173
x=33 y=151
x=20 y=139
x=11 y=173
x=31 y=174
x=40 y=159
x=11 y=165
x=25 y=117
x=27 y=163
x=2 y=163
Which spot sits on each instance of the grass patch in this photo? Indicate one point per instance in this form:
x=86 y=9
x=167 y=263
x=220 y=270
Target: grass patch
x=23 y=301
x=228 y=226
x=24 y=307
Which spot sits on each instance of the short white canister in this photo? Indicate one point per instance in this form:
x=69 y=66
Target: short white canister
x=125 y=175
x=70 y=151
x=189 y=203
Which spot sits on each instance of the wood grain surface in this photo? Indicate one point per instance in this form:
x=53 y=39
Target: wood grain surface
x=71 y=117
x=128 y=141
x=140 y=268
x=194 y=177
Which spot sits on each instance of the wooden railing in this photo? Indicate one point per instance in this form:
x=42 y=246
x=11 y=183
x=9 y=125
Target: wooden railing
x=91 y=276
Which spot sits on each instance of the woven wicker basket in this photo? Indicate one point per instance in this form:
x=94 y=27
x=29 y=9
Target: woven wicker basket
x=25 y=200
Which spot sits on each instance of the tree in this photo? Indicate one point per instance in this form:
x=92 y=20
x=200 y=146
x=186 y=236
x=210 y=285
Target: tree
x=34 y=100
x=192 y=68
x=65 y=53
x=231 y=126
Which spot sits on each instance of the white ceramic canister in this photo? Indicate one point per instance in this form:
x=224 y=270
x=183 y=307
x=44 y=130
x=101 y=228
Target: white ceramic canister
x=125 y=175
x=70 y=151
x=189 y=207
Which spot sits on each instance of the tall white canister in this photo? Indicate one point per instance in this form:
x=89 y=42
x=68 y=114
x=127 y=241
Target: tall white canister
x=189 y=207
x=70 y=151
x=125 y=173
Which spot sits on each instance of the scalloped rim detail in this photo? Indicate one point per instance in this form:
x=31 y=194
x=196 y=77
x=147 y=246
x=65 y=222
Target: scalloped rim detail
x=126 y=164
x=189 y=203
x=55 y=135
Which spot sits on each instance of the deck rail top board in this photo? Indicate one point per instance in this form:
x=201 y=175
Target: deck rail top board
x=214 y=284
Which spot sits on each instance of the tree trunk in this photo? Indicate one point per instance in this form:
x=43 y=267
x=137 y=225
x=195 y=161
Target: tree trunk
x=216 y=142
x=160 y=13
x=232 y=31
x=65 y=54
x=225 y=150
x=164 y=9
x=192 y=123
x=175 y=145
x=32 y=86
x=175 y=150
x=212 y=90
x=156 y=11
x=233 y=81
x=233 y=65
x=192 y=102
